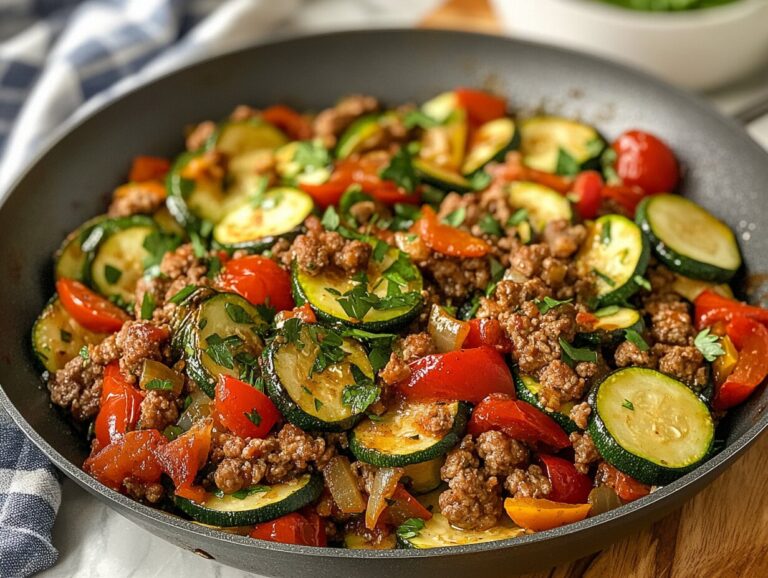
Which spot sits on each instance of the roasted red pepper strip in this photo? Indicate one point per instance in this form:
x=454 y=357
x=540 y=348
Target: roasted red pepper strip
x=182 y=458
x=711 y=307
x=467 y=375
x=120 y=406
x=487 y=332
x=481 y=106
x=751 y=338
x=626 y=487
x=243 y=409
x=289 y=121
x=132 y=455
x=568 y=484
x=145 y=168
x=294 y=528
x=448 y=240
x=588 y=188
x=259 y=279
x=517 y=419
x=89 y=309
x=402 y=506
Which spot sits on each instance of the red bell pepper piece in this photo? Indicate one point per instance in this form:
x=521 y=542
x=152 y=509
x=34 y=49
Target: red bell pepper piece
x=259 y=279
x=588 y=188
x=517 y=419
x=448 y=240
x=568 y=484
x=89 y=309
x=488 y=332
x=302 y=529
x=711 y=307
x=119 y=408
x=289 y=121
x=132 y=455
x=467 y=375
x=304 y=313
x=182 y=458
x=481 y=106
x=145 y=168
x=513 y=169
x=751 y=338
x=243 y=409
x=403 y=506
x=626 y=196
x=626 y=487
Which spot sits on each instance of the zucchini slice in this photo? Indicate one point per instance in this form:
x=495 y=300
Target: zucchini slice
x=118 y=262
x=258 y=223
x=542 y=204
x=559 y=145
x=238 y=137
x=425 y=476
x=441 y=106
x=689 y=239
x=261 y=504
x=444 y=145
x=363 y=134
x=397 y=438
x=690 y=289
x=491 y=142
x=71 y=259
x=438 y=532
x=354 y=541
x=313 y=400
x=58 y=338
x=528 y=390
x=611 y=326
x=293 y=172
x=445 y=179
x=616 y=254
x=649 y=425
x=222 y=336
x=323 y=292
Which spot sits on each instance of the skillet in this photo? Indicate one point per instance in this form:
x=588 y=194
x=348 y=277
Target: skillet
x=69 y=181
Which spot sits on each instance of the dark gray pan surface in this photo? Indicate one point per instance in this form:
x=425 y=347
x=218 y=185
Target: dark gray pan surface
x=728 y=173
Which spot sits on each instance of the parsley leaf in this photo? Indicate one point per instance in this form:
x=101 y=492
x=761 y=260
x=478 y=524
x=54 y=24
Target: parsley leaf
x=455 y=218
x=628 y=404
x=84 y=353
x=157 y=244
x=608 y=161
x=573 y=354
x=266 y=311
x=606 y=311
x=415 y=117
x=329 y=350
x=401 y=171
x=291 y=332
x=330 y=219
x=636 y=339
x=490 y=226
x=171 y=432
x=410 y=528
x=182 y=294
x=605 y=233
x=147 y=305
x=254 y=417
x=547 y=304
x=517 y=217
x=642 y=281
x=159 y=384
x=708 y=345
x=311 y=155
x=363 y=393
x=480 y=180
x=380 y=250
x=566 y=164
x=237 y=314
x=112 y=274
x=244 y=493
x=218 y=351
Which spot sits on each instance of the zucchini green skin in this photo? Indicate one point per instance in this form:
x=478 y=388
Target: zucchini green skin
x=638 y=467
x=441 y=178
x=178 y=188
x=381 y=459
x=473 y=163
x=610 y=337
x=70 y=260
x=676 y=261
x=561 y=132
x=358 y=132
x=303 y=496
x=528 y=396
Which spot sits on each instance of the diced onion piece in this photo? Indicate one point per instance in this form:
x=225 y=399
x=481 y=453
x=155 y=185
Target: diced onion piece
x=603 y=499
x=384 y=486
x=447 y=332
x=199 y=408
x=342 y=484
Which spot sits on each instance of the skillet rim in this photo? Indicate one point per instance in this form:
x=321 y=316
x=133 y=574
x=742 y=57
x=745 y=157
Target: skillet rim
x=664 y=497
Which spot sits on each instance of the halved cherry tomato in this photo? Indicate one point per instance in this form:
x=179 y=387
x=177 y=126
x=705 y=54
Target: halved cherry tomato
x=487 y=332
x=481 y=106
x=751 y=369
x=711 y=307
x=467 y=374
x=89 y=309
x=643 y=160
x=627 y=197
x=289 y=121
x=146 y=168
x=294 y=528
x=182 y=458
x=243 y=409
x=120 y=406
x=403 y=506
x=448 y=240
x=539 y=514
x=132 y=455
x=517 y=419
x=258 y=279
x=588 y=188
x=626 y=487
x=568 y=484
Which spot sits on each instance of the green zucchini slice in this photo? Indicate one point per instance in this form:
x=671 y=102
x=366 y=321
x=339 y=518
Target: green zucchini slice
x=314 y=401
x=261 y=504
x=491 y=142
x=444 y=145
x=354 y=541
x=57 y=337
x=258 y=223
x=528 y=390
x=441 y=106
x=424 y=476
x=71 y=259
x=362 y=134
x=559 y=145
x=438 y=532
x=445 y=179
x=612 y=324
x=117 y=263
x=649 y=425
x=222 y=336
x=293 y=172
x=616 y=254
x=542 y=204
x=397 y=438
x=238 y=137
x=689 y=239
x=324 y=292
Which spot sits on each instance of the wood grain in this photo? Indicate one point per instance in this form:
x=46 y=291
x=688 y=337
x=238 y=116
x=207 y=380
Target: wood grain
x=722 y=532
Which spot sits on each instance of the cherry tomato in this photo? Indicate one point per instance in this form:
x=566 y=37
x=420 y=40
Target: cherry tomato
x=711 y=308
x=132 y=455
x=258 y=279
x=145 y=168
x=467 y=374
x=243 y=409
x=448 y=240
x=120 y=406
x=627 y=197
x=183 y=457
x=487 y=332
x=643 y=160
x=626 y=487
x=294 y=528
x=517 y=419
x=481 y=106
x=568 y=484
x=289 y=121
x=751 y=368
x=588 y=188
x=89 y=309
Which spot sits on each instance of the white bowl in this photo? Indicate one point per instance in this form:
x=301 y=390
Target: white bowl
x=698 y=49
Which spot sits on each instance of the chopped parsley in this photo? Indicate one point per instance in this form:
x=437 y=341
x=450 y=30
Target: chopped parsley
x=291 y=331
x=329 y=350
x=318 y=404
x=606 y=311
x=182 y=294
x=311 y=155
x=608 y=162
x=517 y=217
x=254 y=417
x=84 y=353
x=547 y=304
x=380 y=250
x=244 y=493
x=112 y=274
x=642 y=281
x=158 y=385
x=455 y=218
x=410 y=528
x=266 y=311
x=628 y=404
x=708 y=345
x=157 y=244
x=147 y=305
x=636 y=339
x=330 y=219
x=605 y=233
x=214 y=267
x=573 y=354
x=605 y=278
x=566 y=164
x=480 y=180
x=401 y=171
x=66 y=336
x=172 y=432
x=490 y=226
x=415 y=117
x=219 y=352
x=237 y=314
x=379 y=346
x=363 y=393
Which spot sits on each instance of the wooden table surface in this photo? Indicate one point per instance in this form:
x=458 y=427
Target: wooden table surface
x=722 y=532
